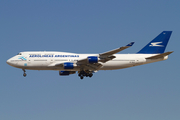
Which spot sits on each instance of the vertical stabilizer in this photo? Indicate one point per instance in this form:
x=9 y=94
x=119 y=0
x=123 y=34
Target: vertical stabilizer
x=157 y=45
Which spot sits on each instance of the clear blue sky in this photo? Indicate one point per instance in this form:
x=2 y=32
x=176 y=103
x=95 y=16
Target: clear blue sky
x=148 y=92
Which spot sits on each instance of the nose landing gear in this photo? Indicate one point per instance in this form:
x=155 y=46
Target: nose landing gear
x=24 y=74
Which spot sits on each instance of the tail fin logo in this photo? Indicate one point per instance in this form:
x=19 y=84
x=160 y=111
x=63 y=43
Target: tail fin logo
x=155 y=44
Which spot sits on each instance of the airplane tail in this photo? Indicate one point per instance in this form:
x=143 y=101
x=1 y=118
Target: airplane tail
x=157 y=45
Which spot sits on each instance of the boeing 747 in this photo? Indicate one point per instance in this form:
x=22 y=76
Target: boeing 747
x=87 y=64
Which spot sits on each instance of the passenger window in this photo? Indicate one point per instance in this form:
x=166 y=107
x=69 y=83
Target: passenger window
x=19 y=54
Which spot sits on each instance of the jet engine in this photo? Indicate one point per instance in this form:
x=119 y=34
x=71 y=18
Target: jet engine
x=68 y=65
x=64 y=73
x=93 y=59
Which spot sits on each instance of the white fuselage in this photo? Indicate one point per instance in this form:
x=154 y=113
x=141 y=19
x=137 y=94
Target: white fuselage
x=47 y=60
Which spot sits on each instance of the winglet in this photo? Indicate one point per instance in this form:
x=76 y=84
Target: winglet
x=130 y=44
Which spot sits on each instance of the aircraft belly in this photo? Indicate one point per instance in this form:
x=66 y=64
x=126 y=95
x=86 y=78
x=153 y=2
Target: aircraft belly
x=49 y=68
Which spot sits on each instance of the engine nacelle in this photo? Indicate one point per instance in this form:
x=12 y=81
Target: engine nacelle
x=68 y=65
x=64 y=73
x=93 y=59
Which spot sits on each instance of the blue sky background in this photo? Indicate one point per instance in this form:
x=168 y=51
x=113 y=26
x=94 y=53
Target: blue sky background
x=148 y=92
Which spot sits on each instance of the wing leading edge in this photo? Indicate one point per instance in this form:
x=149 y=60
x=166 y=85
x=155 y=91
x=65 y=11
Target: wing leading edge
x=116 y=50
x=106 y=56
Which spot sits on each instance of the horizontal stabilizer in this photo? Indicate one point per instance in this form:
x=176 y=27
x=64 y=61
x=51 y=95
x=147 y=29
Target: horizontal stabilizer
x=160 y=55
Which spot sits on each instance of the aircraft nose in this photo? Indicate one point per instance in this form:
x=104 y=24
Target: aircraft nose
x=8 y=62
x=12 y=62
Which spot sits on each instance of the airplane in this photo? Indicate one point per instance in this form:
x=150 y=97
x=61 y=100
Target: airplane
x=87 y=64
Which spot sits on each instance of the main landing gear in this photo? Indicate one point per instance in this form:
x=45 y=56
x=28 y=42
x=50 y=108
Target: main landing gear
x=86 y=74
x=24 y=74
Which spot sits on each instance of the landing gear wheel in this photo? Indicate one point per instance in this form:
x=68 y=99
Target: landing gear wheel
x=90 y=75
x=24 y=74
x=83 y=74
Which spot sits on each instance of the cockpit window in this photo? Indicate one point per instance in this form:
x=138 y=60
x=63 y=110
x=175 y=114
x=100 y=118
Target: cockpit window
x=19 y=54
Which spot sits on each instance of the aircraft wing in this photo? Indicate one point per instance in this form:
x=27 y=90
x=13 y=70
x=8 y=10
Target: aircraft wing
x=91 y=67
x=103 y=57
x=109 y=53
x=106 y=56
x=84 y=64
